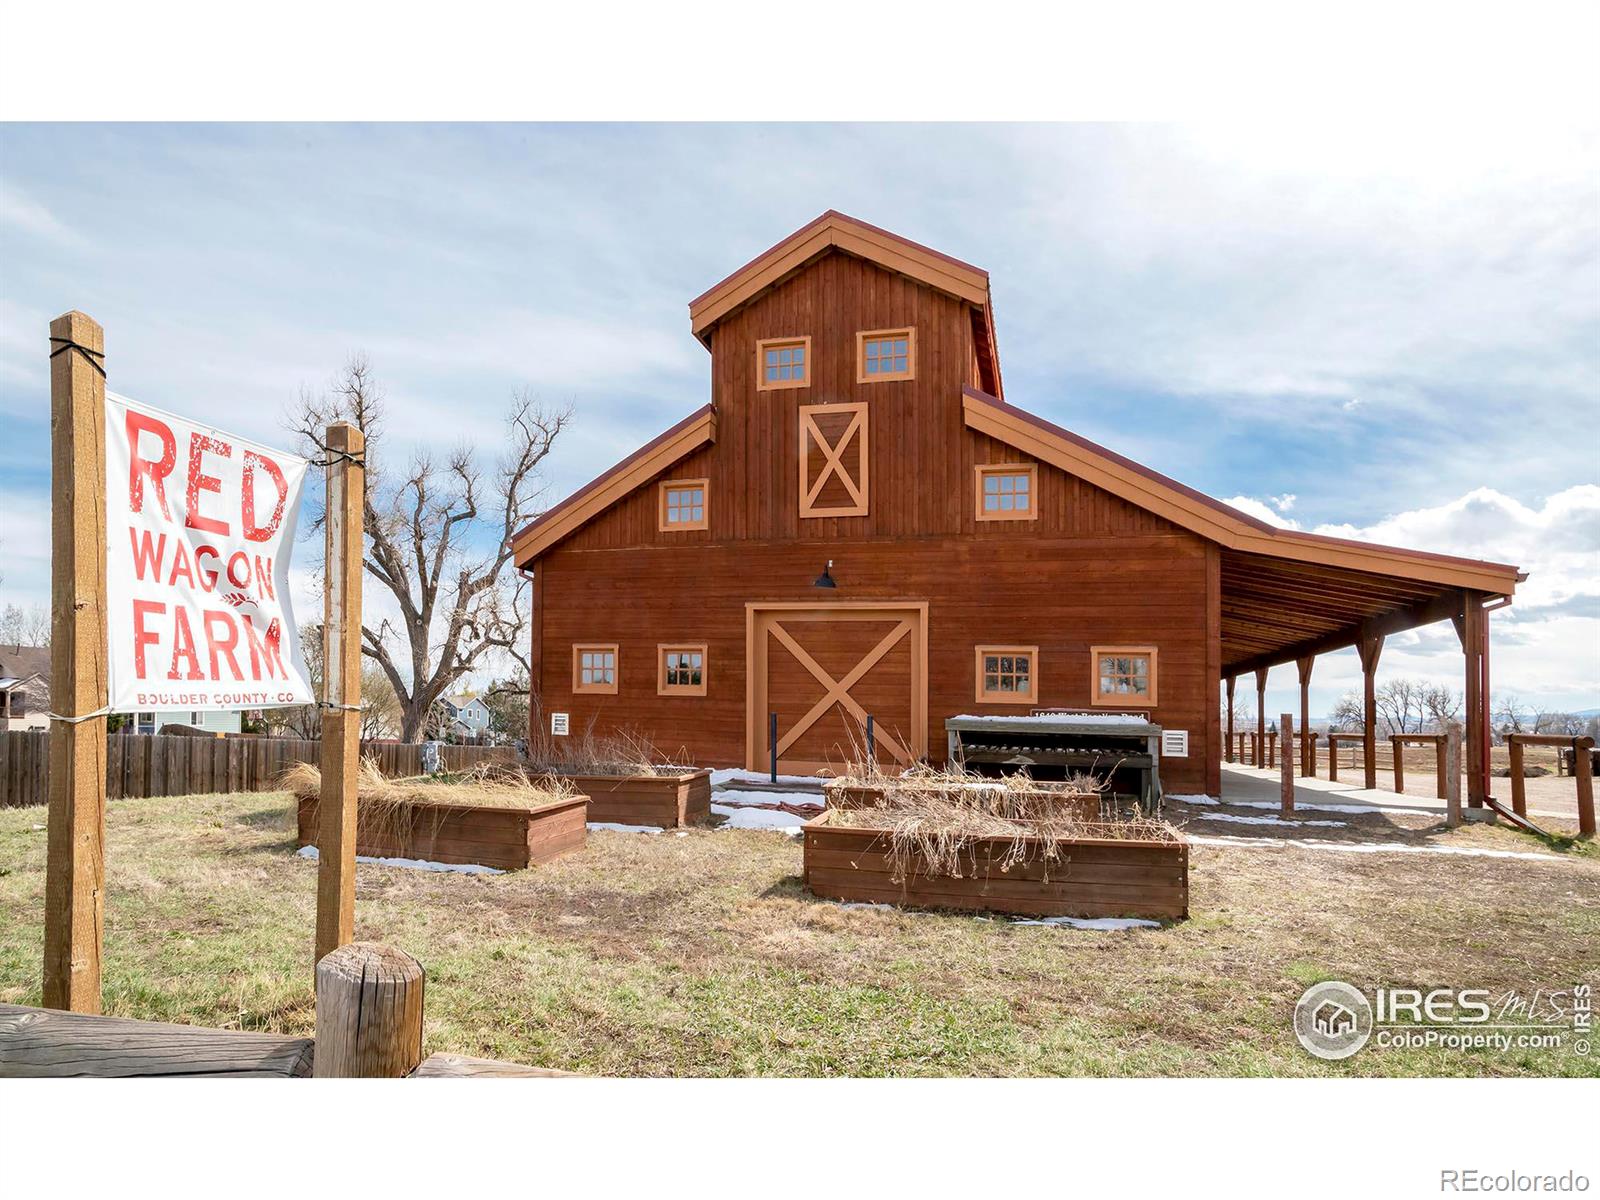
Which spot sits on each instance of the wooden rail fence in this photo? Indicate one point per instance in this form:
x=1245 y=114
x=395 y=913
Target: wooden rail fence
x=142 y=765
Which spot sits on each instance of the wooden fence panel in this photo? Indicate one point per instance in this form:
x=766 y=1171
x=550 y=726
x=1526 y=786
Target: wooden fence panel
x=142 y=765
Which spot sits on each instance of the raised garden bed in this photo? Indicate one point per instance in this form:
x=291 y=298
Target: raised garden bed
x=491 y=836
x=1070 y=803
x=667 y=800
x=1089 y=875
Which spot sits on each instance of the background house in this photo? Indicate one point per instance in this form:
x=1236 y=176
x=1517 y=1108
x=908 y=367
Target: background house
x=465 y=716
x=24 y=687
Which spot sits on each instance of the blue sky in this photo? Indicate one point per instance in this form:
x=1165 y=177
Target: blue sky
x=1391 y=331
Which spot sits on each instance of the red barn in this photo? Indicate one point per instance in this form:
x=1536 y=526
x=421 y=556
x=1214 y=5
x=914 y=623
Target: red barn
x=983 y=560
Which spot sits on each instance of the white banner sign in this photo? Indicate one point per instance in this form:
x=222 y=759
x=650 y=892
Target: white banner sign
x=200 y=525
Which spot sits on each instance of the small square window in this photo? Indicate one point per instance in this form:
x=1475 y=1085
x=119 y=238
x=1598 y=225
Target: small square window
x=1124 y=675
x=783 y=363
x=594 y=668
x=1008 y=492
x=682 y=670
x=1007 y=674
x=886 y=354
x=684 y=504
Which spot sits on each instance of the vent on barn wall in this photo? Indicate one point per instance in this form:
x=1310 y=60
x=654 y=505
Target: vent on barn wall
x=1174 y=743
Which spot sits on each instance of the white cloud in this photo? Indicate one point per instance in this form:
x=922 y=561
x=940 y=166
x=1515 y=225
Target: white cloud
x=21 y=212
x=1262 y=511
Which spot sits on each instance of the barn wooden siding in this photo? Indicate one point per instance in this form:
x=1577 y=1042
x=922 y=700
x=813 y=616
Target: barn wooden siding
x=1092 y=569
x=144 y=765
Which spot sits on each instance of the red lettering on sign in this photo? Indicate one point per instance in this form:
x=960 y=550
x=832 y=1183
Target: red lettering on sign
x=215 y=644
x=145 y=556
x=269 y=653
x=208 y=578
x=180 y=565
x=183 y=647
x=141 y=636
x=199 y=481
x=140 y=467
x=252 y=532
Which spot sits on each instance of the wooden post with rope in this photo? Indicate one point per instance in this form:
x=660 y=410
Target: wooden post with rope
x=341 y=687
x=74 y=889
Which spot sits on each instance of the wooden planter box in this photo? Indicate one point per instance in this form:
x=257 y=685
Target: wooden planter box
x=1092 y=877
x=664 y=800
x=1085 y=806
x=508 y=838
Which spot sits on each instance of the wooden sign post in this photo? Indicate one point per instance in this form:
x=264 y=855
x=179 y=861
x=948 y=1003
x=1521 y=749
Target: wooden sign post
x=341 y=687
x=1286 y=764
x=74 y=890
x=1452 y=774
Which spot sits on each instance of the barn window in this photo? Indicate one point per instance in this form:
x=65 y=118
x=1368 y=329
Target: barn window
x=594 y=668
x=783 y=363
x=684 y=504
x=1008 y=492
x=885 y=354
x=1124 y=675
x=1007 y=674
x=682 y=670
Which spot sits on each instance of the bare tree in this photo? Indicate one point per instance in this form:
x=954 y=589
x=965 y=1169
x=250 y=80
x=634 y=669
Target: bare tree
x=1509 y=713
x=1399 y=704
x=1348 y=713
x=424 y=527
x=1441 y=704
x=24 y=626
x=1558 y=722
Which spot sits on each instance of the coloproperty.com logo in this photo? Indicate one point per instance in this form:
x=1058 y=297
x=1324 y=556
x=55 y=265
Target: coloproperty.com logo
x=1334 y=1020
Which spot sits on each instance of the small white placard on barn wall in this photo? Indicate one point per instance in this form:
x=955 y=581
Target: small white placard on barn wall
x=1174 y=743
x=558 y=724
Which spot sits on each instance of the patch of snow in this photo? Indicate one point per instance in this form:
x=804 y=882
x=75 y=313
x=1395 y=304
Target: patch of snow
x=744 y=817
x=739 y=799
x=1307 y=805
x=1096 y=718
x=723 y=776
x=415 y=864
x=864 y=904
x=617 y=827
x=1267 y=820
x=1091 y=922
x=1366 y=847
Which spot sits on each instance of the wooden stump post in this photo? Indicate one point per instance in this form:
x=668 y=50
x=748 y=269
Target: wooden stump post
x=1583 y=775
x=1399 y=752
x=1442 y=790
x=369 y=1013
x=1452 y=773
x=1519 y=785
x=341 y=688
x=74 y=891
x=1286 y=763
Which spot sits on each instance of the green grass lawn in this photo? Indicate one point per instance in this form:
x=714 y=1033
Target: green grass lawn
x=702 y=954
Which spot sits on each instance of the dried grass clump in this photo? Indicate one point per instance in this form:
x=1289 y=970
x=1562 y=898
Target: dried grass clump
x=937 y=819
x=1010 y=797
x=589 y=753
x=489 y=785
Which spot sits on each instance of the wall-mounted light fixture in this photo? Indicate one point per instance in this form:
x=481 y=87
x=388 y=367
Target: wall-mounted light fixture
x=825 y=580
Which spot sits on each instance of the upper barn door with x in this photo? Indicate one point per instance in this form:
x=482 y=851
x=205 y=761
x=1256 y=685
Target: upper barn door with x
x=833 y=460
x=823 y=668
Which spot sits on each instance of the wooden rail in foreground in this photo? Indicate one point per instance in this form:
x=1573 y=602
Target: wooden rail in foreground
x=1583 y=773
x=369 y=1025
x=1436 y=740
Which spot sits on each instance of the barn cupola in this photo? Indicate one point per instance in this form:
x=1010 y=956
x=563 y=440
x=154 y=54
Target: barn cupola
x=834 y=232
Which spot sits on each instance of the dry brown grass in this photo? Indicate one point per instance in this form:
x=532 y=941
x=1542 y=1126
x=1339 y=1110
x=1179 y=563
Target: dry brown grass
x=488 y=785
x=589 y=753
x=936 y=820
